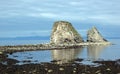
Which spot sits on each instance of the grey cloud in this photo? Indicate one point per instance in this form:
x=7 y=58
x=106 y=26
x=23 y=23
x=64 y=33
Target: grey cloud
x=25 y=33
x=35 y=15
x=69 y=9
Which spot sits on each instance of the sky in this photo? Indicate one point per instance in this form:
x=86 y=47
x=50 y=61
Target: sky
x=36 y=17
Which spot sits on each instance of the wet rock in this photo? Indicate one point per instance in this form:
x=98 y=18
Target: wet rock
x=61 y=69
x=64 y=33
x=1 y=52
x=26 y=61
x=50 y=70
x=46 y=69
x=108 y=69
x=24 y=71
x=93 y=35
x=74 y=71
x=75 y=68
x=97 y=71
x=11 y=61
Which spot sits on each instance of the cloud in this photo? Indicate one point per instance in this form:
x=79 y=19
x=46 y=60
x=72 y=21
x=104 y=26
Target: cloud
x=25 y=33
x=47 y=15
x=95 y=11
x=74 y=10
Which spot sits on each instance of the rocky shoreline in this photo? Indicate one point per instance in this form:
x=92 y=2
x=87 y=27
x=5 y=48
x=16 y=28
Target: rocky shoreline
x=17 y=48
x=9 y=66
x=63 y=36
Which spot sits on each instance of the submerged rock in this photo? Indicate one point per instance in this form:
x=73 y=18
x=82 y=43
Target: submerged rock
x=64 y=33
x=93 y=35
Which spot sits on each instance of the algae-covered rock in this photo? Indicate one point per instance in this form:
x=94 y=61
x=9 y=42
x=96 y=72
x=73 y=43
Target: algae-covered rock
x=64 y=33
x=93 y=35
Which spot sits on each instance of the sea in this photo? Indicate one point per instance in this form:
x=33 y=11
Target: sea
x=87 y=53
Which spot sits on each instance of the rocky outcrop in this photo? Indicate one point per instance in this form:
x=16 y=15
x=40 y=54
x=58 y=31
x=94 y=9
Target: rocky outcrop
x=64 y=33
x=63 y=36
x=93 y=35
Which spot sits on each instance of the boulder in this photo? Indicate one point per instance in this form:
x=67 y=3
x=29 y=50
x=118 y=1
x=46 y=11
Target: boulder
x=93 y=35
x=64 y=33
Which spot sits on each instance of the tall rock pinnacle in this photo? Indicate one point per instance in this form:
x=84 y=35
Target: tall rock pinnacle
x=64 y=33
x=93 y=35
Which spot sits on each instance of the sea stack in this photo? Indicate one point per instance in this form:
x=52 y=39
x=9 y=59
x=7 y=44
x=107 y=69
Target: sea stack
x=93 y=35
x=64 y=33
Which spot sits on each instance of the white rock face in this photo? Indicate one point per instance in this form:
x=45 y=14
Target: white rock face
x=64 y=33
x=93 y=35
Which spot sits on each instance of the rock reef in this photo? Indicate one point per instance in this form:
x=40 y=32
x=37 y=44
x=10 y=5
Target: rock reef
x=64 y=33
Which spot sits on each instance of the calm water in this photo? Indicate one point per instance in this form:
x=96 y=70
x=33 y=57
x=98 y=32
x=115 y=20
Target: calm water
x=21 y=42
x=88 y=53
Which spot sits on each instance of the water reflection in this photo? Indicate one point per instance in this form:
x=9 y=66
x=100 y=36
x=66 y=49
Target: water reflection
x=65 y=55
x=94 y=51
x=91 y=52
x=68 y=55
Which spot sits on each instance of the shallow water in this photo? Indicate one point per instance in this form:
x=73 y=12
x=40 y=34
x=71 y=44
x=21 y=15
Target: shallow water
x=88 y=53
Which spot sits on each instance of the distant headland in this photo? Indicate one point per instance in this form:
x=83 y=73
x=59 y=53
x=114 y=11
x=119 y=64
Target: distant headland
x=63 y=35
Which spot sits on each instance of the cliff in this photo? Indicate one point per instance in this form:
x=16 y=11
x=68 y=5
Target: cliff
x=64 y=33
x=93 y=35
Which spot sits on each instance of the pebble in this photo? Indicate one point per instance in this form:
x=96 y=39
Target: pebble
x=24 y=71
x=46 y=69
x=97 y=71
x=50 y=70
x=61 y=69
x=74 y=71
x=108 y=69
x=34 y=71
x=30 y=72
x=1 y=52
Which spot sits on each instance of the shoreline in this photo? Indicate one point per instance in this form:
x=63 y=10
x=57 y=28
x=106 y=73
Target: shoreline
x=9 y=66
x=103 y=67
x=34 y=47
